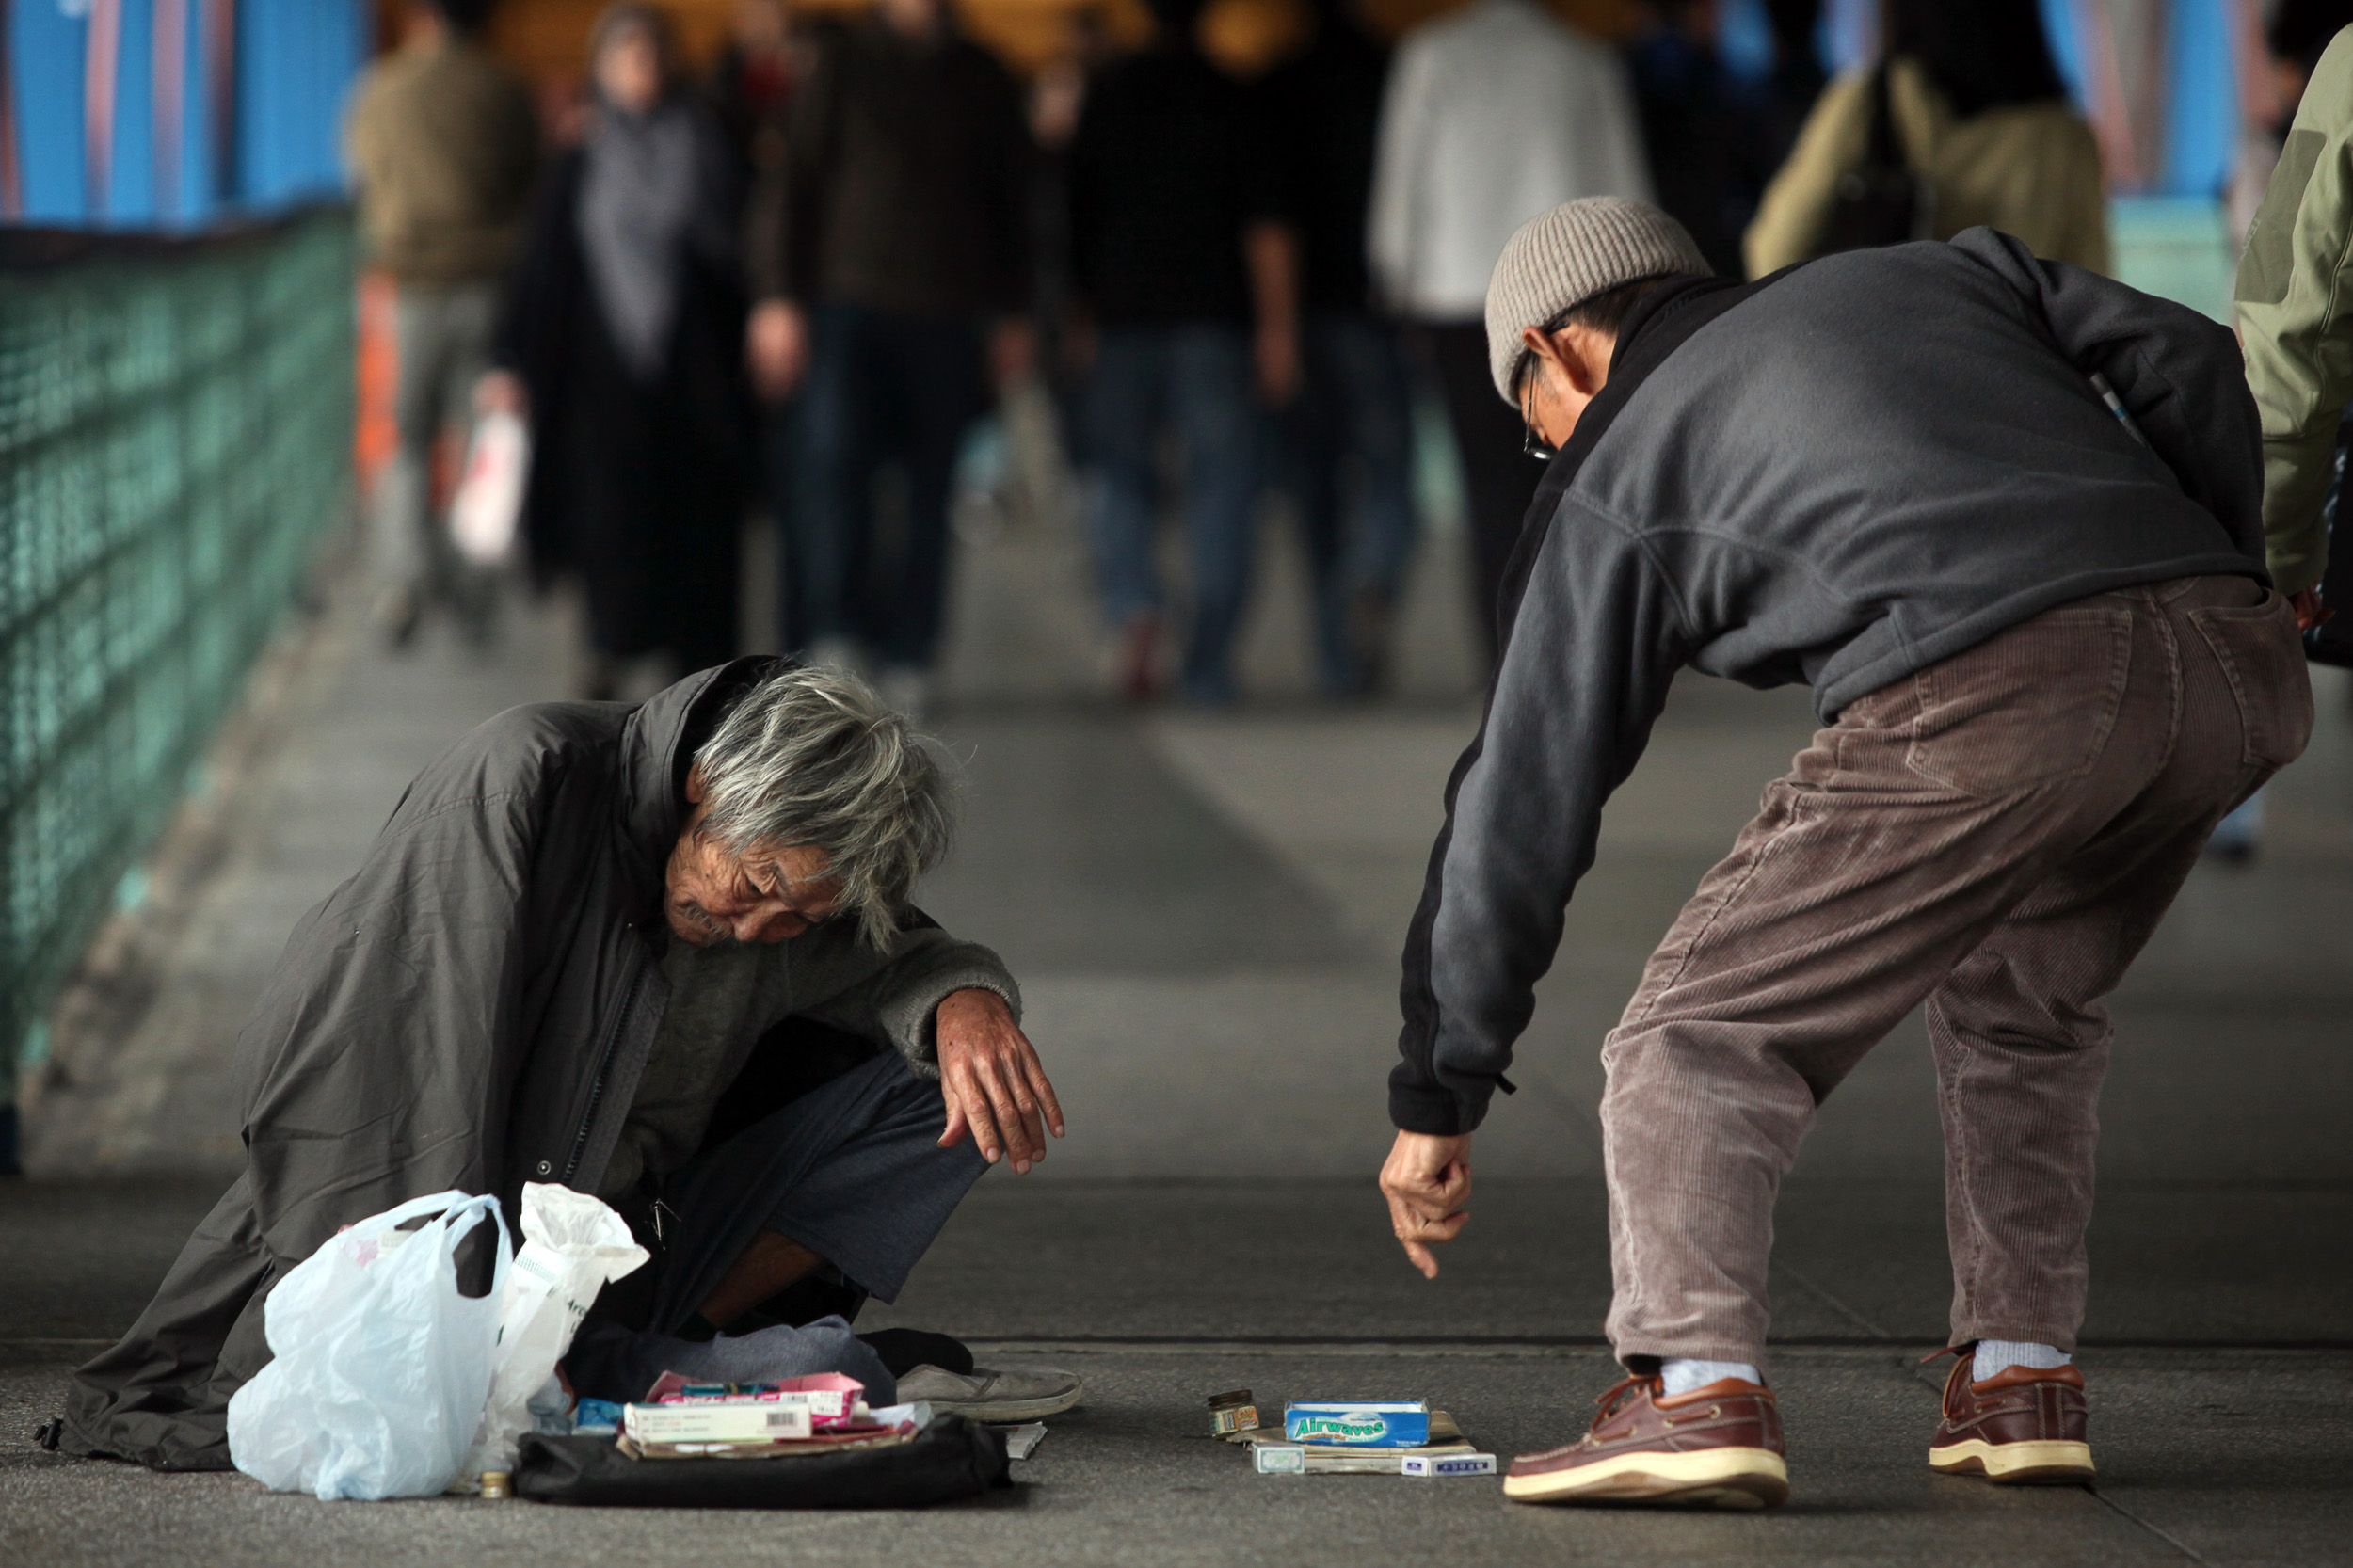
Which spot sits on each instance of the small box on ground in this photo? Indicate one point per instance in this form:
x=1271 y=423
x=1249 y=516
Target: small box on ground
x=1232 y=1413
x=1317 y=1459
x=1437 y=1465
x=1398 y=1424
x=715 y=1423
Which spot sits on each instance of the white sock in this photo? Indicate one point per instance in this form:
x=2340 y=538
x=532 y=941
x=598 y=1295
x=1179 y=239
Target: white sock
x=1995 y=1356
x=1683 y=1375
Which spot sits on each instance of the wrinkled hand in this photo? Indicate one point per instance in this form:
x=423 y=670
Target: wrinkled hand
x=2310 y=612
x=1427 y=1180
x=993 y=1081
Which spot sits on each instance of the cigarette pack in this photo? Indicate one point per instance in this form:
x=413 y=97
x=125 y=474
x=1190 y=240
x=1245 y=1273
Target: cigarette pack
x=827 y=1396
x=765 y=1422
x=1447 y=1464
x=1401 y=1424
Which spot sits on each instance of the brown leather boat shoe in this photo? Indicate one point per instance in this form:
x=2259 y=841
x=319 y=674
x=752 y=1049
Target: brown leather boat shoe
x=2023 y=1426
x=1716 y=1446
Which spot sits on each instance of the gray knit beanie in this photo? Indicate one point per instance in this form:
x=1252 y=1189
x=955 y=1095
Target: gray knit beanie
x=1561 y=259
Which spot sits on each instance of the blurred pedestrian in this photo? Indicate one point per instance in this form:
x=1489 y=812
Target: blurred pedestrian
x=1705 y=130
x=1974 y=107
x=751 y=84
x=752 y=88
x=1351 y=430
x=444 y=146
x=900 y=281
x=1058 y=94
x=1185 y=295
x=1493 y=114
x=1797 y=77
x=2293 y=326
x=621 y=335
x=2295 y=39
x=2297 y=33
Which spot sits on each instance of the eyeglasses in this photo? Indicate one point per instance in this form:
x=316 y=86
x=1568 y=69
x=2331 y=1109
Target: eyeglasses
x=1531 y=445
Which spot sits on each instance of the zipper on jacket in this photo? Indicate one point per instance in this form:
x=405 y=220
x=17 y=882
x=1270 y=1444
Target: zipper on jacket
x=604 y=1067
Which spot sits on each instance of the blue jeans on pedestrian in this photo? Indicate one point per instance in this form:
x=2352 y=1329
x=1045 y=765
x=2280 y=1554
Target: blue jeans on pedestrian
x=1193 y=379
x=1350 y=452
x=882 y=387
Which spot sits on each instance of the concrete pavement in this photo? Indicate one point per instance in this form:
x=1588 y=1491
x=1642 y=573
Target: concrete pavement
x=1205 y=911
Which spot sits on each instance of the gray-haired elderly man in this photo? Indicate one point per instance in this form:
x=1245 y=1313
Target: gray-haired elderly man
x=663 y=953
x=2046 y=660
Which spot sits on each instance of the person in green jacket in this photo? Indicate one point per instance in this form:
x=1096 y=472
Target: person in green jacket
x=2294 y=287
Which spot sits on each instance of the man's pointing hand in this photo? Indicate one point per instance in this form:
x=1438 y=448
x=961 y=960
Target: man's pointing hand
x=993 y=1081
x=1427 y=1181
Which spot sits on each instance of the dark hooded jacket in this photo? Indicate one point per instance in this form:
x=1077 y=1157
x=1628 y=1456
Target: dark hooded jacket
x=470 y=1010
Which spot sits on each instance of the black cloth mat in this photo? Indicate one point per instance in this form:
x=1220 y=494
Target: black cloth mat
x=953 y=1458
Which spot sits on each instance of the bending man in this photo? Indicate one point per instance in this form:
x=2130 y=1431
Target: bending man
x=2046 y=660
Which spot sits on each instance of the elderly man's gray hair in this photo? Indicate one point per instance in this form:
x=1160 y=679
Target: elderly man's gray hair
x=812 y=757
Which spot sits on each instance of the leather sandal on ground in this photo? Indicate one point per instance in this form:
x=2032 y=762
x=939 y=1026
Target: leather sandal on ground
x=1716 y=1446
x=2024 y=1426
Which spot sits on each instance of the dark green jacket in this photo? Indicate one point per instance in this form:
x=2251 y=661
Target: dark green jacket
x=2296 y=317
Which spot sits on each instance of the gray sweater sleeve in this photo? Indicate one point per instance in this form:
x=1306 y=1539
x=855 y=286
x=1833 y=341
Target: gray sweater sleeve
x=1594 y=644
x=2177 y=373
x=890 y=995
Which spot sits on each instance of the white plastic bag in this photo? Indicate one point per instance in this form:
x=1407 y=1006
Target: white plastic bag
x=572 y=1243
x=382 y=1368
x=490 y=498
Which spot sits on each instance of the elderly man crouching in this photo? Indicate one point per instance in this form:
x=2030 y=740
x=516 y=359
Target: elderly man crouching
x=661 y=953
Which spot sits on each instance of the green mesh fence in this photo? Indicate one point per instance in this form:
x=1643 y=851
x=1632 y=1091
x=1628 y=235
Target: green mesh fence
x=175 y=432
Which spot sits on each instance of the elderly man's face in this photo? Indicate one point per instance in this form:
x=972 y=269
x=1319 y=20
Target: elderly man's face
x=712 y=894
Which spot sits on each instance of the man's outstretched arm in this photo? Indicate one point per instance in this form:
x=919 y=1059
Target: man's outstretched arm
x=1594 y=644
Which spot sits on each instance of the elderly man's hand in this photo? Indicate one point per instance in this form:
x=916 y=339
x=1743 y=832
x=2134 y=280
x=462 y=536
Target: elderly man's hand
x=1427 y=1180
x=995 y=1086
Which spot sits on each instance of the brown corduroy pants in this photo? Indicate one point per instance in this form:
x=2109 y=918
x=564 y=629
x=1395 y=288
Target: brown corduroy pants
x=1997 y=836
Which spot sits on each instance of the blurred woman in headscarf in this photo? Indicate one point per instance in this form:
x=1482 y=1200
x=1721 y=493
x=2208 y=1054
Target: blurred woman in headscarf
x=621 y=336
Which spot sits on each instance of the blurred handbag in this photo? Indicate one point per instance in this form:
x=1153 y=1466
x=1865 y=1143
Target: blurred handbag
x=1879 y=201
x=489 y=501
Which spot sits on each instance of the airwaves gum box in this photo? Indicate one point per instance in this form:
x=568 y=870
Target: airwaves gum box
x=1401 y=1425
